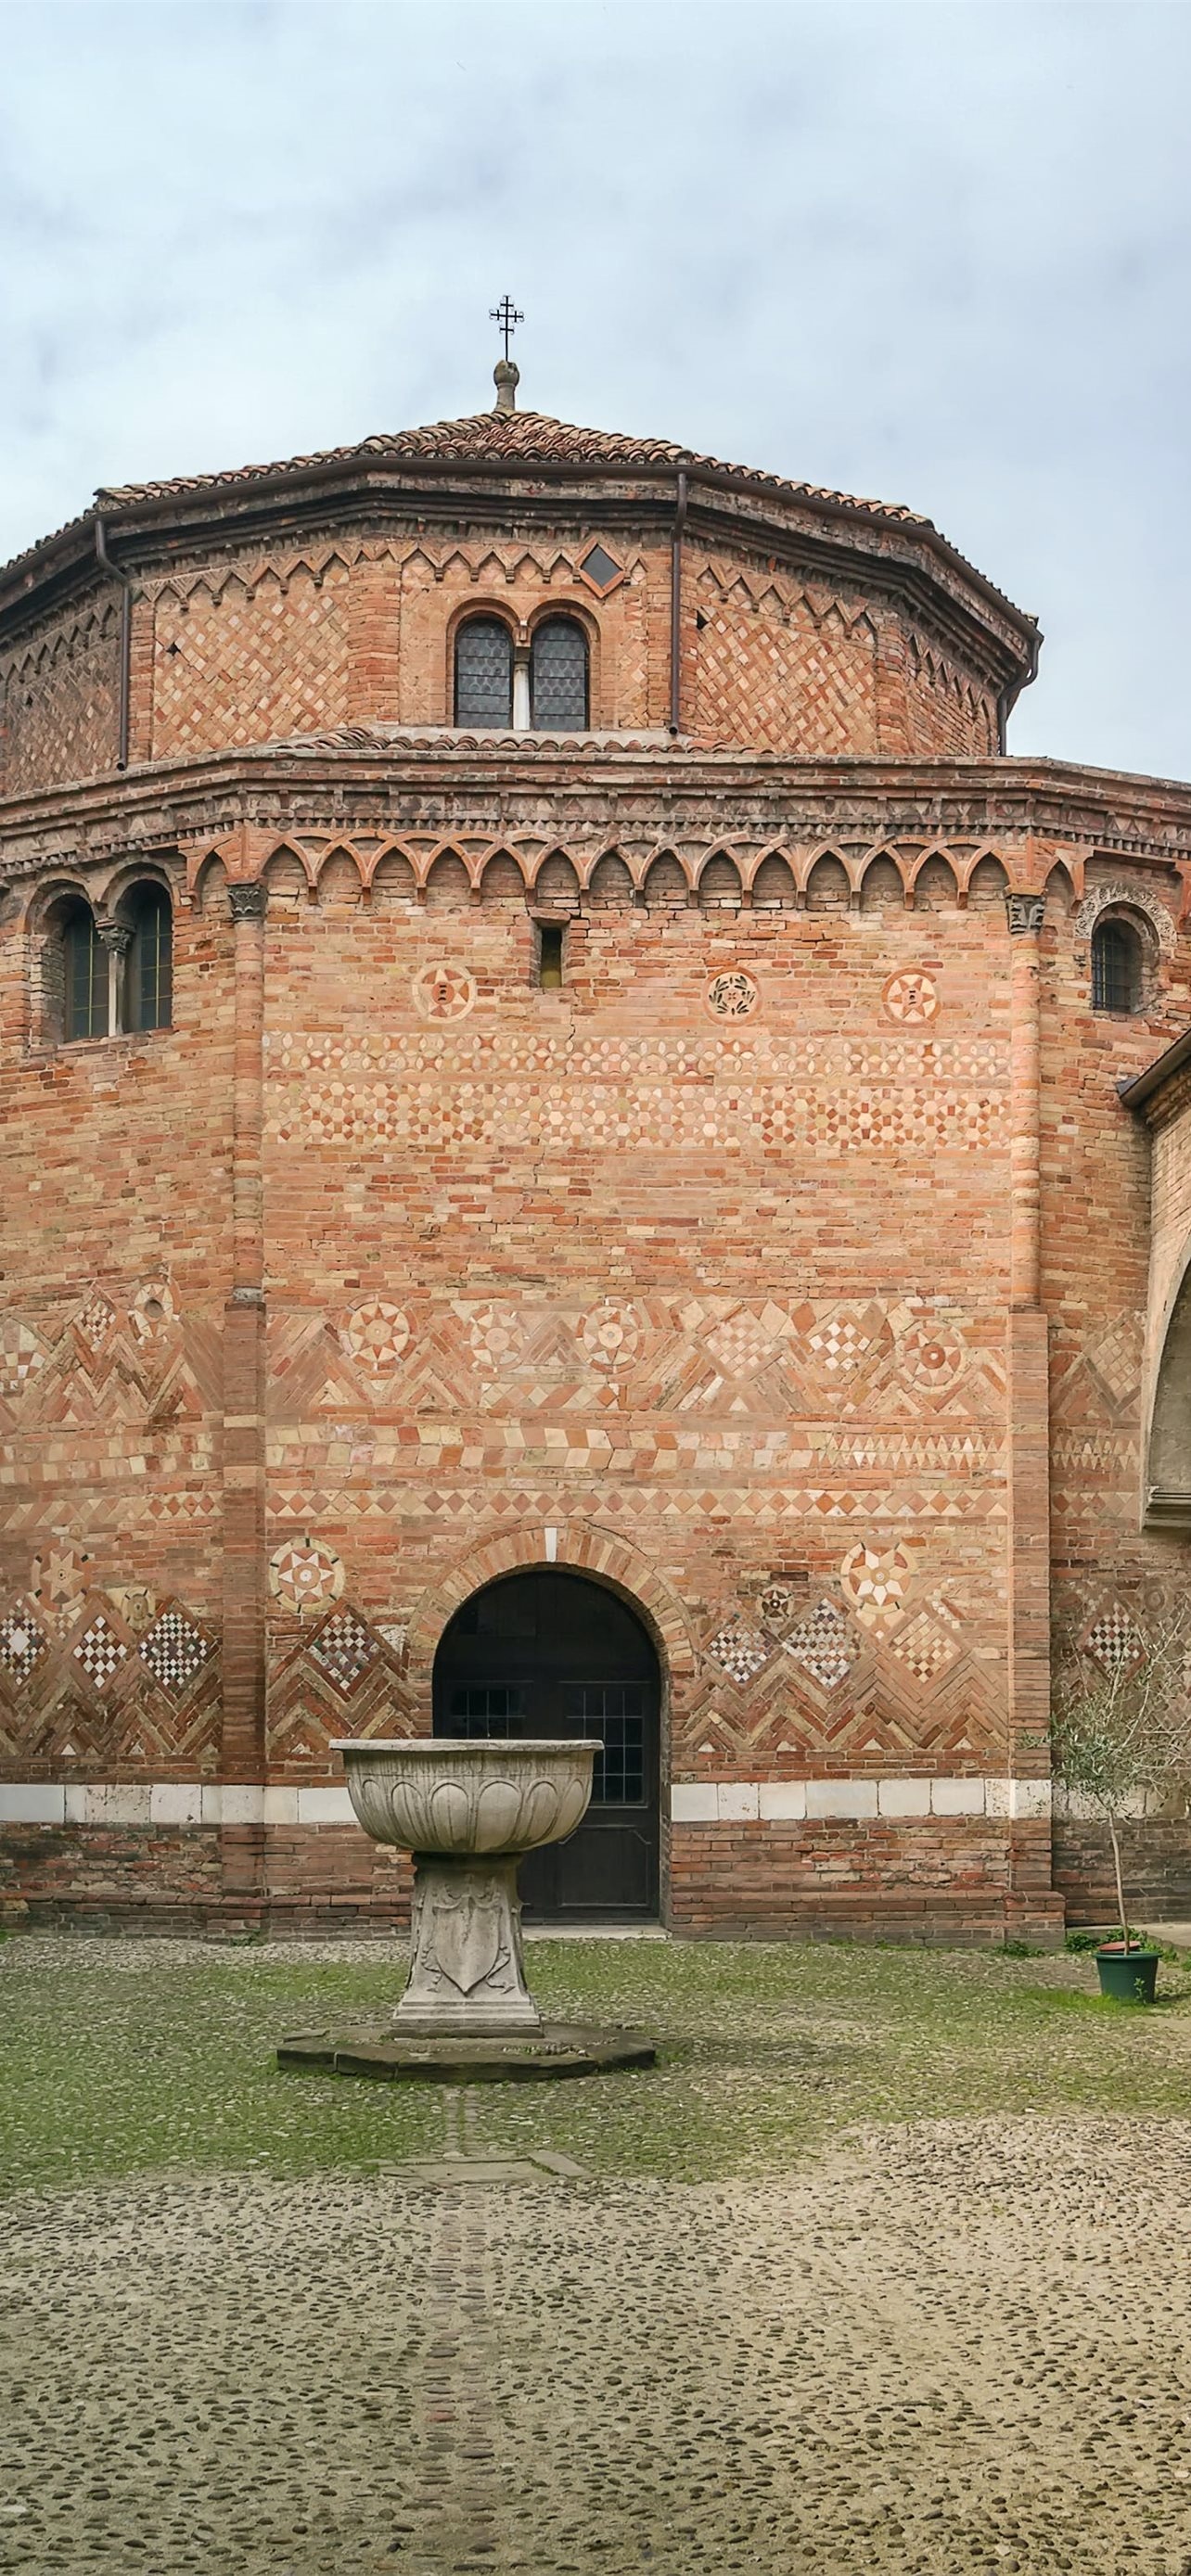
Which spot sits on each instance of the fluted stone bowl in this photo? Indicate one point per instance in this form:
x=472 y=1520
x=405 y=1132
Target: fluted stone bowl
x=456 y=1797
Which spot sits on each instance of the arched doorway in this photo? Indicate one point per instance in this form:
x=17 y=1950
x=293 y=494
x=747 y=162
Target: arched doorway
x=550 y=1653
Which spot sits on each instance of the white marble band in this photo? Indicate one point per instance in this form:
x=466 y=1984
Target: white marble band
x=692 y=1802
x=723 y=1802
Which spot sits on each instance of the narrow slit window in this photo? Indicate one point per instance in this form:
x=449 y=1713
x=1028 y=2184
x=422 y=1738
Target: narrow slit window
x=483 y=673
x=550 y=955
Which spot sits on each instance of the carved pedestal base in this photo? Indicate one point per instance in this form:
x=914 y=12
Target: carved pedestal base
x=467 y=1972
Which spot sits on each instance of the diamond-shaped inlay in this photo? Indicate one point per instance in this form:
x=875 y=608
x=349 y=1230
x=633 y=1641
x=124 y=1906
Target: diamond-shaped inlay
x=740 y=1651
x=825 y=1644
x=1116 y=1358
x=174 y=1650
x=22 y=1645
x=1113 y=1641
x=343 y=1648
x=839 y=1342
x=740 y=1344
x=96 y=1319
x=21 y=1356
x=100 y=1652
x=925 y=1646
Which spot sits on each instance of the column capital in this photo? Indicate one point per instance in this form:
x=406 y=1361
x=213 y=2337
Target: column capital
x=247 y=900
x=116 y=937
x=1024 y=913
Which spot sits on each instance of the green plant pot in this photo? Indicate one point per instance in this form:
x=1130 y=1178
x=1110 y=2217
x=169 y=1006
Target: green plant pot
x=1129 y=1976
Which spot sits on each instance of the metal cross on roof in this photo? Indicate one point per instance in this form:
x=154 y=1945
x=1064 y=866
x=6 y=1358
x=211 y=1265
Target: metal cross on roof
x=506 y=317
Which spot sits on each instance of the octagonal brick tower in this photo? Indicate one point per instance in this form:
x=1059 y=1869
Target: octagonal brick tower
x=547 y=1046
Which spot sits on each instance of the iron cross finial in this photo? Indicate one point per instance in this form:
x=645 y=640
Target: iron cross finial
x=506 y=318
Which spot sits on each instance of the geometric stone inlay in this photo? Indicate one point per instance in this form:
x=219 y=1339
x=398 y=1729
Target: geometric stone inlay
x=377 y=1334
x=825 y=1644
x=343 y=1648
x=1113 y=1641
x=740 y=1344
x=61 y=1581
x=911 y=996
x=1116 y=1359
x=497 y=1337
x=305 y=1572
x=609 y=1335
x=924 y=1646
x=174 y=1650
x=100 y=1652
x=930 y=1357
x=444 y=992
x=21 y=1356
x=839 y=1342
x=875 y=1581
x=96 y=1319
x=22 y=1644
x=740 y=1651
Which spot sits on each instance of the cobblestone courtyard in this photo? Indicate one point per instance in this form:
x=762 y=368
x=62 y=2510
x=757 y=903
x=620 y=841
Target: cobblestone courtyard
x=884 y=2269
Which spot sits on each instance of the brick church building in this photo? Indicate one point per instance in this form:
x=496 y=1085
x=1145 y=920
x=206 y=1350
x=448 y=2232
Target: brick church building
x=582 y=1152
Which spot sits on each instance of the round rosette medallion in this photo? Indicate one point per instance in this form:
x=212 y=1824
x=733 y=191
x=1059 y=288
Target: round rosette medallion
x=444 y=992
x=910 y=997
x=377 y=1334
x=304 y=1574
x=732 y=995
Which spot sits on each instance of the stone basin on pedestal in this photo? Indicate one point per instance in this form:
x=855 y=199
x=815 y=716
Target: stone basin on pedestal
x=468 y=1811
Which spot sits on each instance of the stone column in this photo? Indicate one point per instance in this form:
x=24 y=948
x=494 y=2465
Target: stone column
x=1031 y=1901
x=117 y=939
x=522 y=708
x=243 y=1748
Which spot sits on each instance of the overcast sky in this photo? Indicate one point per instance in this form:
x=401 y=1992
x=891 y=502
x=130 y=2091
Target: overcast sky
x=938 y=254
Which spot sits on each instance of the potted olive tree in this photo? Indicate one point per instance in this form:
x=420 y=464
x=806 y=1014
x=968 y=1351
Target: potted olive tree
x=1121 y=1742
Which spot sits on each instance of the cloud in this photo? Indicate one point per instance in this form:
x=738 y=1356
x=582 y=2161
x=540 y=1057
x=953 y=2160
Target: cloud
x=937 y=254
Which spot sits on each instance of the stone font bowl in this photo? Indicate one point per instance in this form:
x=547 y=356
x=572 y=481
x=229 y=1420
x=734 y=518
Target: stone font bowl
x=457 y=1797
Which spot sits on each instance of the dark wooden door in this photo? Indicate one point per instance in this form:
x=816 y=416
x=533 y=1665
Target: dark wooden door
x=551 y=1654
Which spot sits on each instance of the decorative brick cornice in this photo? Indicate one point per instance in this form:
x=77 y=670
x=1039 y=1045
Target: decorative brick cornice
x=591 y=795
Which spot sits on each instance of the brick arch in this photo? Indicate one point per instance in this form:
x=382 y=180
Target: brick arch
x=580 y=1547
x=1168 y=1470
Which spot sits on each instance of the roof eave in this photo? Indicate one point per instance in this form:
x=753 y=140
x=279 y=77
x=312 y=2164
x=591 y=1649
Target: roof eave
x=50 y=565
x=1145 y=1087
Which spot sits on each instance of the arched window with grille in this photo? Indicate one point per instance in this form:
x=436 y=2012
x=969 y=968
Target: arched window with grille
x=84 y=970
x=148 y=970
x=1117 y=967
x=558 y=677
x=483 y=672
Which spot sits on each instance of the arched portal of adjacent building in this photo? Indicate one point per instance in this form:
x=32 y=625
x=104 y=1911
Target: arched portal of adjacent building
x=549 y=1653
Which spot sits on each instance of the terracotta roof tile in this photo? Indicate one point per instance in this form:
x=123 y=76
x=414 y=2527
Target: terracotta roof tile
x=523 y=437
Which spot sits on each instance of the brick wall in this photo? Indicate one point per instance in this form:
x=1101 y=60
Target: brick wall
x=235 y=645
x=695 y=1273
x=59 y=690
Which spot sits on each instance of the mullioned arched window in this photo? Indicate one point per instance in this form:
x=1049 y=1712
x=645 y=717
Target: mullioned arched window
x=113 y=979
